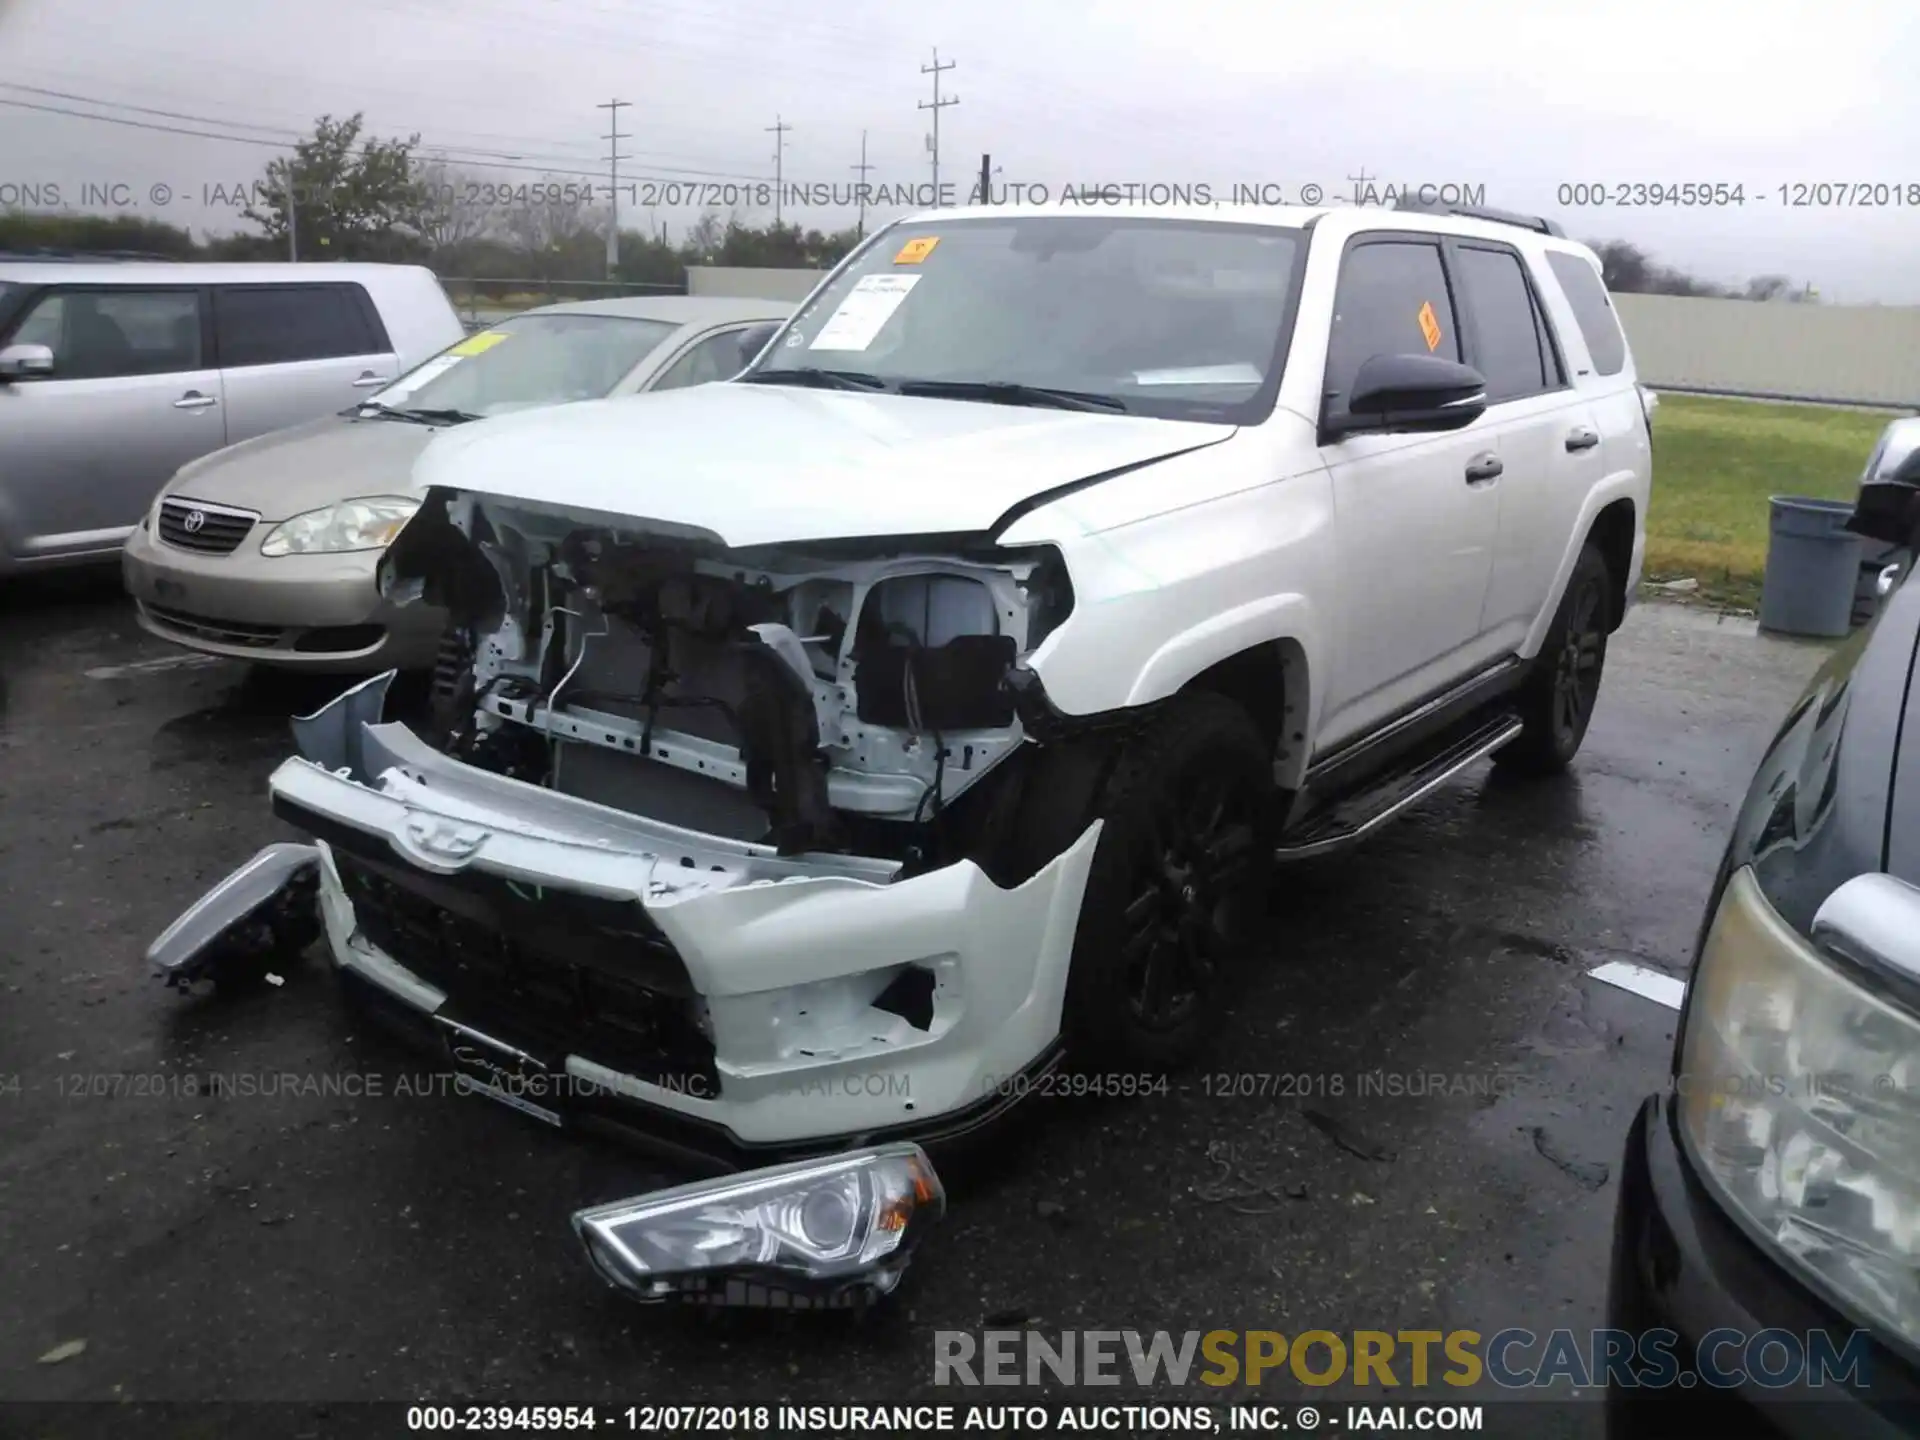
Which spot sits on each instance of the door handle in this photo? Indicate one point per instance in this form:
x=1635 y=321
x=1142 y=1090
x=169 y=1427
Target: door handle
x=369 y=379
x=194 y=400
x=1582 y=439
x=1484 y=467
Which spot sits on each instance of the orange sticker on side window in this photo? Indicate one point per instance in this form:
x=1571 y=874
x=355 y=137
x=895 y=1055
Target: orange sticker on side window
x=916 y=250
x=1430 y=325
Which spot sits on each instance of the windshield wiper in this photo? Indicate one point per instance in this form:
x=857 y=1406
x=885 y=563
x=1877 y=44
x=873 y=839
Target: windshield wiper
x=1012 y=392
x=417 y=417
x=814 y=375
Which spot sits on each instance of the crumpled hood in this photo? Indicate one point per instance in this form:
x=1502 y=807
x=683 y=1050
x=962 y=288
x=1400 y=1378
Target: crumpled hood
x=761 y=464
x=286 y=472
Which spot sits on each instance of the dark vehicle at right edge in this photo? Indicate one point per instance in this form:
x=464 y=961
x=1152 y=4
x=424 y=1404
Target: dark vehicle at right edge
x=1770 y=1197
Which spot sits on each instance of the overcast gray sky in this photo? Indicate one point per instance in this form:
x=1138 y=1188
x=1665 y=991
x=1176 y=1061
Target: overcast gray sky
x=1520 y=96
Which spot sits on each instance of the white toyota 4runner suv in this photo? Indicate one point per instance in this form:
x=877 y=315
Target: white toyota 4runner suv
x=821 y=757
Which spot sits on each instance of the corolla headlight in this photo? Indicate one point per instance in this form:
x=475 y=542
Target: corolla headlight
x=826 y=1232
x=1800 y=1087
x=366 y=524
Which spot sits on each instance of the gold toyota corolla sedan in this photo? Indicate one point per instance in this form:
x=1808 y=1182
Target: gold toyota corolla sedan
x=266 y=550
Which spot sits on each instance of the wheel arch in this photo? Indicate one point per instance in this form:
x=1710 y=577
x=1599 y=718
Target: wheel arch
x=1612 y=519
x=1262 y=656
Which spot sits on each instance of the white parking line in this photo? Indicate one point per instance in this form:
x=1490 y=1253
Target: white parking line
x=185 y=660
x=1659 y=988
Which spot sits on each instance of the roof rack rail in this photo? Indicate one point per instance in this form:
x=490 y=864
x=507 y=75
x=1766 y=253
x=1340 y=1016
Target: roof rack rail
x=1537 y=223
x=50 y=252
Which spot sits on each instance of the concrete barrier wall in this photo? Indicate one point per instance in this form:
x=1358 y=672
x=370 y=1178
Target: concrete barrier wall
x=1847 y=354
x=749 y=284
x=1850 y=354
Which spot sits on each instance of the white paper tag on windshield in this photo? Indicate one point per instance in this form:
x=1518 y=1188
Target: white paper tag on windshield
x=868 y=307
x=432 y=370
x=1238 y=374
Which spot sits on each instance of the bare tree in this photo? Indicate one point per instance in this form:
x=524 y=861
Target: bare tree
x=555 y=212
x=451 y=211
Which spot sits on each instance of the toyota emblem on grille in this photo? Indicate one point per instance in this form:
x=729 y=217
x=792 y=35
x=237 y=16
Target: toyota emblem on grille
x=194 y=521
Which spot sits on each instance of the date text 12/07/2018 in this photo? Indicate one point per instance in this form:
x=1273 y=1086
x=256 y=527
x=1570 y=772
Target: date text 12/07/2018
x=1715 y=194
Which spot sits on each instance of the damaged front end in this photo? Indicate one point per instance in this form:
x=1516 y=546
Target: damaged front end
x=743 y=854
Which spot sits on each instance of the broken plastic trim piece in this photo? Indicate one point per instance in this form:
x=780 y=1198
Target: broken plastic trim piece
x=332 y=736
x=831 y=1233
x=268 y=906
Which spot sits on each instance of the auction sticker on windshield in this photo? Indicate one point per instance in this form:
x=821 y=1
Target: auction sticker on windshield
x=479 y=344
x=867 y=308
x=916 y=250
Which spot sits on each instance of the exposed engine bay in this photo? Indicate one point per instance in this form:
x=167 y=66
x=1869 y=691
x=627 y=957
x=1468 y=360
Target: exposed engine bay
x=805 y=699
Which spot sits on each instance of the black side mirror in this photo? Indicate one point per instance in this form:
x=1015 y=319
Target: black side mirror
x=1888 y=507
x=1397 y=393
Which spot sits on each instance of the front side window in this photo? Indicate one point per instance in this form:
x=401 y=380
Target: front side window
x=101 y=334
x=1151 y=316
x=277 y=325
x=718 y=357
x=527 y=361
x=1509 y=348
x=1392 y=300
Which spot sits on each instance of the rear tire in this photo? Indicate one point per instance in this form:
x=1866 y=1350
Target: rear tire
x=1557 y=699
x=1176 y=889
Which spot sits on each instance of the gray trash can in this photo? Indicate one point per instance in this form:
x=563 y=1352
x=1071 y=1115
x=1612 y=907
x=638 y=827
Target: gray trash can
x=1813 y=567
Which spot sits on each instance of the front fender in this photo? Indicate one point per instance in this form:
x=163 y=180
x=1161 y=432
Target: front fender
x=1287 y=619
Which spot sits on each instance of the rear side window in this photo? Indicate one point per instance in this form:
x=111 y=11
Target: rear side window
x=1593 y=309
x=1509 y=348
x=102 y=334
x=277 y=324
x=1392 y=300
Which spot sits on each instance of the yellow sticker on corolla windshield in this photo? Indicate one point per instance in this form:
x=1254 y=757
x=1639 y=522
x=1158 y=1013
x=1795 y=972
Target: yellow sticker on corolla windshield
x=479 y=344
x=916 y=250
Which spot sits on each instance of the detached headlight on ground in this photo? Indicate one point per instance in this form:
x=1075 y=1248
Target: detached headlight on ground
x=1800 y=1087
x=821 y=1233
x=368 y=524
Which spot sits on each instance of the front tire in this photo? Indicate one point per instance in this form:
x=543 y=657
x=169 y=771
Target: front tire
x=1556 y=702
x=1176 y=888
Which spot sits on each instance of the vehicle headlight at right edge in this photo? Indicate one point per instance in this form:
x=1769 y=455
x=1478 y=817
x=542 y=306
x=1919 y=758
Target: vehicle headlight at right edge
x=369 y=523
x=1799 y=1099
x=831 y=1233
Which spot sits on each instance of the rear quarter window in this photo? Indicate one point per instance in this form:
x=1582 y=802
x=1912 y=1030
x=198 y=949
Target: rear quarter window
x=278 y=324
x=1592 y=309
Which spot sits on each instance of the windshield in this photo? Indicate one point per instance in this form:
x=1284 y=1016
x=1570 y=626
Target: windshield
x=528 y=360
x=1164 y=317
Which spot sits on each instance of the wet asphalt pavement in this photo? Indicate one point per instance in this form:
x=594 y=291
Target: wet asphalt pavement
x=325 y=1247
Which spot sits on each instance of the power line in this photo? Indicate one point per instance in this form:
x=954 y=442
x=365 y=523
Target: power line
x=778 y=130
x=613 y=137
x=937 y=105
x=655 y=172
x=862 y=168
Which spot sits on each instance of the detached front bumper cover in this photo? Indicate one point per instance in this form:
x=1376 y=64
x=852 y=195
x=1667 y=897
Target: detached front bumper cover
x=834 y=1233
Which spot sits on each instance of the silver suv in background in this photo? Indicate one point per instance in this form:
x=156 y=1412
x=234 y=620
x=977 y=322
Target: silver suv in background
x=115 y=374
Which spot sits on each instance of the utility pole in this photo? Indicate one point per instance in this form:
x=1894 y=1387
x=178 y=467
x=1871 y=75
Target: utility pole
x=778 y=130
x=937 y=105
x=293 y=218
x=613 y=137
x=986 y=180
x=861 y=169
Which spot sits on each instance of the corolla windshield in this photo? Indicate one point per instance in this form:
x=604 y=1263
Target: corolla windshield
x=527 y=361
x=1159 y=316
